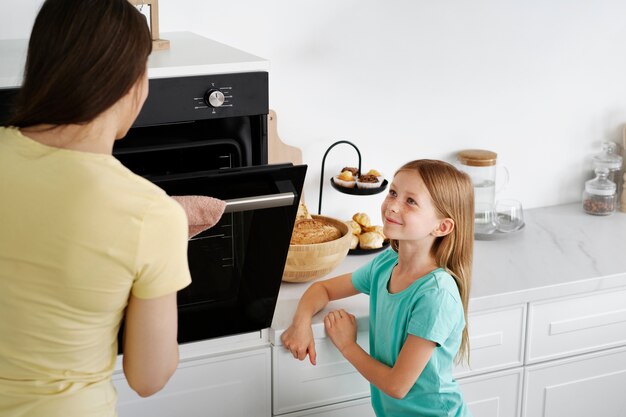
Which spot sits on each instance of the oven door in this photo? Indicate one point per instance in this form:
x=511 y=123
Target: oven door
x=237 y=265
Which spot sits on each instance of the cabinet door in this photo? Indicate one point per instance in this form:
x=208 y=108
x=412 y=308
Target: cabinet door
x=582 y=386
x=234 y=385
x=497 y=394
x=575 y=325
x=298 y=385
x=355 y=408
x=496 y=340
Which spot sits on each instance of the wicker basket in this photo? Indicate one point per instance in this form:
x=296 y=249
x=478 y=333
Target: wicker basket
x=308 y=262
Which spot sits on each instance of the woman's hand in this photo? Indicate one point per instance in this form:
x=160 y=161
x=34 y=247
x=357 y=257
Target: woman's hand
x=341 y=328
x=298 y=339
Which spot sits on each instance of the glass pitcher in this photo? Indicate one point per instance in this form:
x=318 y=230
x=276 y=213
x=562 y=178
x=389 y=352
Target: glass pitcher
x=481 y=166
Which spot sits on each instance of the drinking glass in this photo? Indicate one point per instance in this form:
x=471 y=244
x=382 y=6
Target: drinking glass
x=484 y=218
x=509 y=215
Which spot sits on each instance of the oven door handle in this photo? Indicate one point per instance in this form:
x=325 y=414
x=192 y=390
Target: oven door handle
x=259 y=202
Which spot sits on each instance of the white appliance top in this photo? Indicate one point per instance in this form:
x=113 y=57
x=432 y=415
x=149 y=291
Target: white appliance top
x=189 y=54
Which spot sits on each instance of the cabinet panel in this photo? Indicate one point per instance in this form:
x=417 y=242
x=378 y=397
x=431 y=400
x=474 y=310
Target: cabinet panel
x=496 y=394
x=582 y=386
x=559 y=328
x=234 y=385
x=298 y=385
x=496 y=340
x=360 y=408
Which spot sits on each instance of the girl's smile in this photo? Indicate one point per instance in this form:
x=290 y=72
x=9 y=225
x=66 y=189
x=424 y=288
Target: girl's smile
x=408 y=212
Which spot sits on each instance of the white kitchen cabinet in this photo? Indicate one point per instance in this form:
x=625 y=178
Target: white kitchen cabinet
x=574 y=325
x=580 y=386
x=354 y=408
x=496 y=340
x=229 y=385
x=298 y=385
x=496 y=394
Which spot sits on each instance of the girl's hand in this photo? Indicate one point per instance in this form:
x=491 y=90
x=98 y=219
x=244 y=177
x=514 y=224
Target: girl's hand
x=298 y=339
x=341 y=328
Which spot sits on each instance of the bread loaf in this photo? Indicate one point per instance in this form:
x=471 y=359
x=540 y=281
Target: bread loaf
x=310 y=231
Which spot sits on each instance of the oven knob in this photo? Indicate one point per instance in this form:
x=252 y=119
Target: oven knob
x=214 y=98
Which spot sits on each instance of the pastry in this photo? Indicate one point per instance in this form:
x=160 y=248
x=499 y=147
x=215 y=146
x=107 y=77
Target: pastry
x=345 y=179
x=373 y=172
x=310 y=231
x=354 y=242
x=370 y=240
x=354 y=227
x=362 y=219
x=375 y=229
x=354 y=171
x=368 y=181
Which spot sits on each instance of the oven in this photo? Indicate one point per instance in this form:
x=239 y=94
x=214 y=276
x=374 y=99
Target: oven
x=207 y=135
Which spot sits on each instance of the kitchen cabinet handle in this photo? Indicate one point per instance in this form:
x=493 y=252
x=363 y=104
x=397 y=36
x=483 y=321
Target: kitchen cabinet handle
x=259 y=202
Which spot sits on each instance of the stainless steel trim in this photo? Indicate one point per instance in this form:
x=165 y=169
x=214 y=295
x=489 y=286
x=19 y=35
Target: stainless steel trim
x=259 y=202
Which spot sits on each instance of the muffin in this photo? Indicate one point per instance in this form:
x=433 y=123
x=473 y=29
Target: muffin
x=376 y=173
x=368 y=181
x=345 y=179
x=354 y=171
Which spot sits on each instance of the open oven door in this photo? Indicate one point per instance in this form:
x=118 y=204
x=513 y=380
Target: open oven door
x=237 y=265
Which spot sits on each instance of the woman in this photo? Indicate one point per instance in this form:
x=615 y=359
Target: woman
x=83 y=239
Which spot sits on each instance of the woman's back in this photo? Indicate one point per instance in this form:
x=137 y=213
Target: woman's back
x=79 y=232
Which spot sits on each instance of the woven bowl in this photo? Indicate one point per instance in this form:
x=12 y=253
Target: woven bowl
x=308 y=262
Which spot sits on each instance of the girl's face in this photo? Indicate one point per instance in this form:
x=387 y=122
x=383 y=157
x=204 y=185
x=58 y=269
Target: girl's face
x=408 y=212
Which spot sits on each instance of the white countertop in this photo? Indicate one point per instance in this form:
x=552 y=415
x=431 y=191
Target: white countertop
x=561 y=251
x=189 y=54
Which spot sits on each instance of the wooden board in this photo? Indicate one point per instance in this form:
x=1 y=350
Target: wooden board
x=278 y=151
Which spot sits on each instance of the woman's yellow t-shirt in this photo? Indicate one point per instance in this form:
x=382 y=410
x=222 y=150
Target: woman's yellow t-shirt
x=78 y=233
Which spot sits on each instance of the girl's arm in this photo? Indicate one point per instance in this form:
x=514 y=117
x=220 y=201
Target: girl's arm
x=394 y=381
x=150 y=345
x=298 y=338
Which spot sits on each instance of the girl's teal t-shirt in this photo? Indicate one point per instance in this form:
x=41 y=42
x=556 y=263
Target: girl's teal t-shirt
x=430 y=308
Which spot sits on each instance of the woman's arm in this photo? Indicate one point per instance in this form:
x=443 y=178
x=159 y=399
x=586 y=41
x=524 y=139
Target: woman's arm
x=150 y=345
x=394 y=381
x=298 y=338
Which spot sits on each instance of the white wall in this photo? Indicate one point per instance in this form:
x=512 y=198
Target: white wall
x=539 y=82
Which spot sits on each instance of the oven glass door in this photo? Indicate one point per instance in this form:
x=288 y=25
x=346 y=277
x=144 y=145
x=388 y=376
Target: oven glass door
x=237 y=265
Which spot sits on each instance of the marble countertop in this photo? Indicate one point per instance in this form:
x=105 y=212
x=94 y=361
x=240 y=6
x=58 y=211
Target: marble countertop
x=560 y=252
x=189 y=54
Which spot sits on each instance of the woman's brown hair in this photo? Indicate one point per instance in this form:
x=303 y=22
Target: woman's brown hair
x=83 y=56
x=452 y=194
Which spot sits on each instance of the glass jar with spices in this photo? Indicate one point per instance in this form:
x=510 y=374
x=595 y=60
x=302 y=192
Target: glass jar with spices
x=599 y=195
x=609 y=158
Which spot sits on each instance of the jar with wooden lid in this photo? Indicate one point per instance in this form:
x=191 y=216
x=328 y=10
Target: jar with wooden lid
x=599 y=194
x=481 y=166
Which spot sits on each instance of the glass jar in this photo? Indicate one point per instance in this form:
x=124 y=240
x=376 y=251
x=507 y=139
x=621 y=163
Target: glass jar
x=482 y=168
x=610 y=159
x=599 y=194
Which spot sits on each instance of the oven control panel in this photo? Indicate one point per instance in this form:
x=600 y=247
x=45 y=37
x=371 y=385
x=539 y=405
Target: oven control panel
x=181 y=99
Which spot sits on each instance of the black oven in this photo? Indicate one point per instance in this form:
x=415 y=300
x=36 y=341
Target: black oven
x=207 y=135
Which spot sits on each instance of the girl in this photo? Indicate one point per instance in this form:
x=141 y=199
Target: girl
x=418 y=296
x=83 y=240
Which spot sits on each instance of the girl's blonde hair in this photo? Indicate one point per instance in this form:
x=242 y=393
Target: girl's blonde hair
x=452 y=194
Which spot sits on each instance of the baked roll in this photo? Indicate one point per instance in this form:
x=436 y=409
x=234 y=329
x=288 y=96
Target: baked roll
x=363 y=219
x=370 y=240
x=376 y=229
x=354 y=242
x=354 y=227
